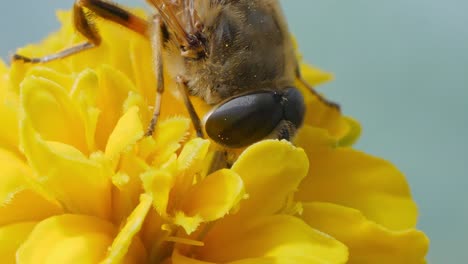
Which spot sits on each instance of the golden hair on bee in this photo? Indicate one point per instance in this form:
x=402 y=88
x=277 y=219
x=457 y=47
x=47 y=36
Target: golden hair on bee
x=239 y=46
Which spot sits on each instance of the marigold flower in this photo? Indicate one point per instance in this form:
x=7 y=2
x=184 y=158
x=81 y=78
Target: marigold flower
x=81 y=183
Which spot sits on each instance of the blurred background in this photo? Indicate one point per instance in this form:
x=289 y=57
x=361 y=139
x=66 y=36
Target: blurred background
x=401 y=69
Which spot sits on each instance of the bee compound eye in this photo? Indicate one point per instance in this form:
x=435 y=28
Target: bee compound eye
x=245 y=119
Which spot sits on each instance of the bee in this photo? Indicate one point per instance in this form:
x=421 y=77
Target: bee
x=234 y=54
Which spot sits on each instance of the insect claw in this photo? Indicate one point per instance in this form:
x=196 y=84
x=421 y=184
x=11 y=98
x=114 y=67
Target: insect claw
x=18 y=57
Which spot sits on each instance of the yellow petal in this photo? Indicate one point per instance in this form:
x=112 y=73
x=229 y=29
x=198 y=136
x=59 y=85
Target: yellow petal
x=95 y=57
x=351 y=178
x=268 y=189
x=178 y=258
x=9 y=106
x=352 y=134
x=126 y=236
x=52 y=112
x=189 y=163
x=142 y=62
x=118 y=50
x=322 y=115
x=20 y=198
x=172 y=102
x=319 y=114
x=137 y=100
x=215 y=196
x=284 y=238
x=114 y=88
x=126 y=133
x=313 y=75
x=189 y=223
x=11 y=237
x=153 y=236
x=367 y=241
x=84 y=93
x=3 y=67
x=159 y=184
x=314 y=139
x=82 y=185
x=267 y=260
x=60 y=78
x=210 y=199
x=168 y=137
x=67 y=239
x=53 y=43
x=192 y=156
x=271 y=171
x=122 y=199
x=127 y=185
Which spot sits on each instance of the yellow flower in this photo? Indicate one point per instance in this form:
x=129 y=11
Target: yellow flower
x=81 y=184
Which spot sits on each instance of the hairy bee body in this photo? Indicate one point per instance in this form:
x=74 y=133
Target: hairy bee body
x=236 y=54
x=248 y=47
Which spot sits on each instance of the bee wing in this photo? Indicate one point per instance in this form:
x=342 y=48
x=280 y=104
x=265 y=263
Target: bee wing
x=180 y=16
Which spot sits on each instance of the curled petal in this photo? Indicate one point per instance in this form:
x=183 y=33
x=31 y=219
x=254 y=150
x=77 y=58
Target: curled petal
x=82 y=185
x=189 y=223
x=367 y=241
x=127 y=185
x=351 y=178
x=153 y=235
x=9 y=108
x=126 y=236
x=73 y=239
x=325 y=116
x=11 y=237
x=192 y=156
x=271 y=171
x=48 y=107
x=286 y=239
x=126 y=133
x=62 y=79
x=313 y=75
x=268 y=189
x=159 y=184
x=264 y=260
x=210 y=199
x=67 y=238
x=169 y=135
x=51 y=44
x=319 y=114
x=214 y=196
x=21 y=198
x=179 y=258
x=352 y=134
x=84 y=93
x=114 y=88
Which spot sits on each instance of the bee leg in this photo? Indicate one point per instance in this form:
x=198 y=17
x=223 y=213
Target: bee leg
x=314 y=92
x=188 y=104
x=82 y=23
x=157 y=43
x=219 y=161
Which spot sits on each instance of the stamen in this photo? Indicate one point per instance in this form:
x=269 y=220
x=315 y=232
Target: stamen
x=185 y=241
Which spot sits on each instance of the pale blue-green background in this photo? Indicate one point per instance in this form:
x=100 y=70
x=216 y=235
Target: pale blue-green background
x=401 y=68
